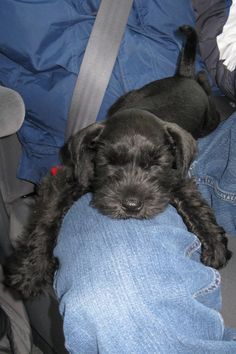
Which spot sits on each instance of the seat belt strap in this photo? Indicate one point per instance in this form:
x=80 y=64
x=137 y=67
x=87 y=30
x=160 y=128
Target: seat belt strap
x=98 y=62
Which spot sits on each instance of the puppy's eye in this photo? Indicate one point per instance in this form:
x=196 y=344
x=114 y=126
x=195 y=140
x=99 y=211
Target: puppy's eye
x=145 y=165
x=154 y=163
x=117 y=160
x=112 y=160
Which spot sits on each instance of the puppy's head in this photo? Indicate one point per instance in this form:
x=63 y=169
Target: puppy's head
x=131 y=162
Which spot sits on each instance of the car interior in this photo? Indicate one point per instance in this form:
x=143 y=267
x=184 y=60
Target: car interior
x=17 y=197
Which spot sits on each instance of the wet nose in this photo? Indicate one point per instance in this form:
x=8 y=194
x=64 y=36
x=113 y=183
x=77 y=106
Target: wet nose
x=132 y=204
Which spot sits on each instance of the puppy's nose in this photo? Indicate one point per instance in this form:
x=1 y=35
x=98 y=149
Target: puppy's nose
x=132 y=204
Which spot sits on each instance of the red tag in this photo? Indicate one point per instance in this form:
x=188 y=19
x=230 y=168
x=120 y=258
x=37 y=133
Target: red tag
x=55 y=169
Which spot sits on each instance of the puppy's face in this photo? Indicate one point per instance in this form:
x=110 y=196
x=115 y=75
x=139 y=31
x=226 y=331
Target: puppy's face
x=135 y=159
x=133 y=168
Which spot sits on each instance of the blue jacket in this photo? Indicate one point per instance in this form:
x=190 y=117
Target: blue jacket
x=41 y=48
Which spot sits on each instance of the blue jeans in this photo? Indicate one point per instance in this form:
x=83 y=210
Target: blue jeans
x=137 y=286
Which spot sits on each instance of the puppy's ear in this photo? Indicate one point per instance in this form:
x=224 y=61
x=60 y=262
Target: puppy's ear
x=79 y=151
x=183 y=145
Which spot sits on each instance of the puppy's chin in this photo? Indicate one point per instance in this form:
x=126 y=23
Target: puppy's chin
x=114 y=209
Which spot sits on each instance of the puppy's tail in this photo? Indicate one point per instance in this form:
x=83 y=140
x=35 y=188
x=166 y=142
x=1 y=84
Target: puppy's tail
x=188 y=54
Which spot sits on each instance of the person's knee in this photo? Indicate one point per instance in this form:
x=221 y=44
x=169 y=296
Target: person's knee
x=99 y=304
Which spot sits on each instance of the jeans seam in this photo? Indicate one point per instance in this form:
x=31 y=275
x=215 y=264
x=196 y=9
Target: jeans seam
x=211 y=182
x=195 y=245
x=212 y=286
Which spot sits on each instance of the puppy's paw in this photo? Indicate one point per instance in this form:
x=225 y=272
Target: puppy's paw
x=30 y=279
x=216 y=255
x=25 y=284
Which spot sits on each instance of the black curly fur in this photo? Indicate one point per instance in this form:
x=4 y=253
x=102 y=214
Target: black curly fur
x=31 y=267
x=134 y=163
x=200 y=219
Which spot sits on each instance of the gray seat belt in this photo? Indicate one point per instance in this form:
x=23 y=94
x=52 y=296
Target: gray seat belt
x=97 y=64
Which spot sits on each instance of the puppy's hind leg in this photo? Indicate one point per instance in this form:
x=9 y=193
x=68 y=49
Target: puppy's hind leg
x=212 y=116
x=203 y=81
x=200 y=220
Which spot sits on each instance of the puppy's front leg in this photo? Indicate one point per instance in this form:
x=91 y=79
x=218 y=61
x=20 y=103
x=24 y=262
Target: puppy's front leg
x=200 y=220
x=31 y=266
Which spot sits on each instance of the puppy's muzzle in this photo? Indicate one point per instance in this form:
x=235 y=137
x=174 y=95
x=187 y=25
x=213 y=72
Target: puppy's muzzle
x=132 y=204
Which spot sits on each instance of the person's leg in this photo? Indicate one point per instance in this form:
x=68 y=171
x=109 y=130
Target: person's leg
x=215 y=172
x=136 y=286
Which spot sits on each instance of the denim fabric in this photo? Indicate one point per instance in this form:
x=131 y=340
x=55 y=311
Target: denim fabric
x=215 y=172
x=137 y=286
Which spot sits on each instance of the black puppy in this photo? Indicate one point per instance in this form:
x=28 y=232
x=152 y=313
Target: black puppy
x=134 y=163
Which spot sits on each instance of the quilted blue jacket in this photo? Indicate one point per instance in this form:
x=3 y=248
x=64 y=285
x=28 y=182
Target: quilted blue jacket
x=42 y=43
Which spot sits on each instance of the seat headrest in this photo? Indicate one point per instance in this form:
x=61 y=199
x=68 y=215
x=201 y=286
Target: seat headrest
x=12 y=111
